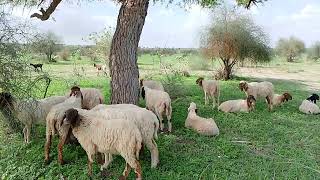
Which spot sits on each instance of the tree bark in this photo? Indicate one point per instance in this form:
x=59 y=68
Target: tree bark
x=123 y=54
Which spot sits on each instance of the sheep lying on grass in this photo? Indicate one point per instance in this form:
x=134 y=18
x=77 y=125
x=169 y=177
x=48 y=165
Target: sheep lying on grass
x=91 y=96
x=144 y=119
x=279 y=99
x=239 y=105
x=202 y=125
x=259 y=89
x=29 y=112
x=55 y=123
x=151 y=84
x=116 y=136
x=158 y=102
x=309 y=106
x=211 y=89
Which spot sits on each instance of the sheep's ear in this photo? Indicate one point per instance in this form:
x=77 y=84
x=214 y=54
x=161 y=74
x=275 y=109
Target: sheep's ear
x=196 y=110
x=143 y=93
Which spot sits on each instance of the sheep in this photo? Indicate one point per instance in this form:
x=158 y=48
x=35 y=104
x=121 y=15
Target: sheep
x=54 y=123
x=158 y=102
x=309 y=106
x=313 y=98
x=91 y=96
x=279 y=99
x=36 y=66
x=259 y=89
x=29 y=112
x=116 y=136
x=211 y=89
x=99 y=68
x=202 y=125
x=144 y=119
x=239 y=105
x=151 y=84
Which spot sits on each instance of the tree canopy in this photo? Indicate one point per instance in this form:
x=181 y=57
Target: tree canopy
x=290 y=48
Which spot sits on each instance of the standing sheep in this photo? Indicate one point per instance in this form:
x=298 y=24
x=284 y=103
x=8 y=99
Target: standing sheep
x=202 y=125
x=239 y=105
x=259 y=89
x=29 y=112
x=211 y=89
x=144 y=119
x=279 y=99
x=54 y=122
x=158 y=102
x=309 y=106
x=91 y=96
x=117 y=136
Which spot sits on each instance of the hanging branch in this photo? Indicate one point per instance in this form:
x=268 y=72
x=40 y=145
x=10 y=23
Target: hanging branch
x=46 y=13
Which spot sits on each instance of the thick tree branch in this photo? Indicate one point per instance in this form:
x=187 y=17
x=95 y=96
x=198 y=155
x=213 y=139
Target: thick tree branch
x=45 y=14
x=252 y=2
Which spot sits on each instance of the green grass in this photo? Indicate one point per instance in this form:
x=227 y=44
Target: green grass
x=283 y=144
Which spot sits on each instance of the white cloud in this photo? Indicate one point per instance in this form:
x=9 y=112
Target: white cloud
x=309 y=11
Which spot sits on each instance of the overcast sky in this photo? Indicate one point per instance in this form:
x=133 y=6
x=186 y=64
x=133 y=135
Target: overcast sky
x=176 y=27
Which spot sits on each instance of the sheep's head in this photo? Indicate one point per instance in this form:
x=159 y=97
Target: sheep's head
x=313 y=98
x=193 y=106
x=251 y=101
x=143 y=92
x=286 y=97
x=71 y=117
x=199 y=81
x=141 y=82
x=6 y=100
x=243 y=86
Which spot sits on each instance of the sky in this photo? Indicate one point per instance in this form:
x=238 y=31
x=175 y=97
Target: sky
x=177 y=27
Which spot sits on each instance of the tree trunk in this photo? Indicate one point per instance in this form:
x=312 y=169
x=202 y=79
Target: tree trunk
x=123 y=53
x=227 y=72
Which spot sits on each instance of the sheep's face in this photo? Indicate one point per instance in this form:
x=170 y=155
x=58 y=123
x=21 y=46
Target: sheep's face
x=71 y=116
x=193 y=106
x=243 y=86
x=199 y=81
x=143 y=93
x=286 y=97
x=6 y=100
x=251 y=101
x=313 y=98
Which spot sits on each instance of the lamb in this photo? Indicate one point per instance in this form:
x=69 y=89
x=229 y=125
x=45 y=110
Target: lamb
x=239 y=105
x=259 y=89
x=279 y=99
x=202 y=125
x=91 y=96
x=309 y=106
x=144 y=119
x=54 y=122
x=151 y=84
x=158 y=102
x=116 y=136
x=36 y=66
x=100 y=67
x=211 y=89
x=29 y=112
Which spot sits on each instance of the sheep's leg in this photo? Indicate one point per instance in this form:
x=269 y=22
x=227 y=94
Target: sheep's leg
x=269 y=100
x=25 y=134
x=90 y=161
x=107 y=160
x=126 y=172
x=28 y=134
x=47 y=147
x=205 y=98
x=160 y=119
x=152 y=146
x=169 y=123
x=62 y=141
x=137 y=170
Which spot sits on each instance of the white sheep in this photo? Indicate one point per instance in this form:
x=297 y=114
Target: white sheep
x=116 y=136
x=54 y=122
x=202 y=125
x=144 y=119
x=29 y=112
x=259 y=89
x=91 y=96
x=151 y=84
x=240 y=105
x=211 y=89
x=278 y=99
x=158 y=102
x=308 y=107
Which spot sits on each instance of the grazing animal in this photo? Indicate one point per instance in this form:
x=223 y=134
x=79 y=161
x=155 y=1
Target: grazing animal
x=259 y=89
x=279 y=99
x=313 y=98
x=151 y=84
x=91 y=96
x=211 y=89
x=158 y=102
x=239 y=105
x=201 y=125
x=100 y=68
x=115 y=136
x=36 y=66
x=28 y=112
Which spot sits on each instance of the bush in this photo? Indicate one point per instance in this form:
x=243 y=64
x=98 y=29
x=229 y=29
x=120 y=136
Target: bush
x=64 y=55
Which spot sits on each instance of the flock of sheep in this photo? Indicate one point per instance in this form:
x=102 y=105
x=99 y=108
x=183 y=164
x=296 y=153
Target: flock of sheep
x=105 y=130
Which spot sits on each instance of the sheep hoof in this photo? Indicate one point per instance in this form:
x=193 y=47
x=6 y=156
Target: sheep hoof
x=122 y=178
x=105 y=173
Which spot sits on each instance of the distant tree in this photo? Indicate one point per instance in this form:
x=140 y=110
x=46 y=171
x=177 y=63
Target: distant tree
x=314 y=51
x=47 y=44
x=233 y=38
x=290 y=48
x=102 y=43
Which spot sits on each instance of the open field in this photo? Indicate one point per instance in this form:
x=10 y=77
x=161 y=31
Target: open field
x=283 y=144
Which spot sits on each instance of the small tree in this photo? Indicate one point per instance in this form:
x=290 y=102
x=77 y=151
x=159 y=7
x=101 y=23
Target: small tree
x=47 y=44
x=102 y=43
x=233 y=38
x=314 y=51
x=290 y=48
